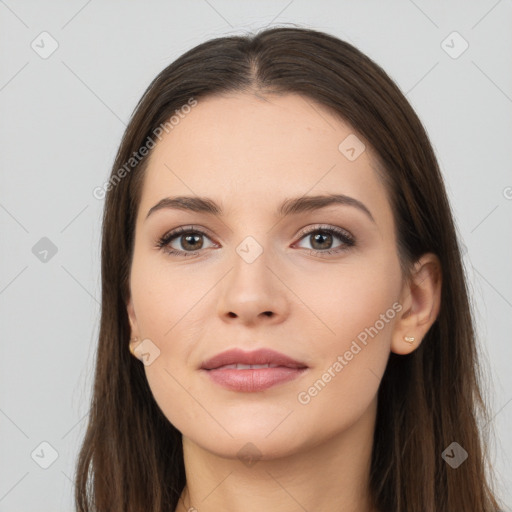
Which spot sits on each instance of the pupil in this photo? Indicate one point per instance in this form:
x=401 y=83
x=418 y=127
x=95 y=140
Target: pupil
x=325 y=236
x=191 y=237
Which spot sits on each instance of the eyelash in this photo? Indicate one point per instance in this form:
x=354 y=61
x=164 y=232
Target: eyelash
x=347 y=239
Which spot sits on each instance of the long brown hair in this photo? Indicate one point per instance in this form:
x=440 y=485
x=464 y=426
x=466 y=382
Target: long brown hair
x=131 y=458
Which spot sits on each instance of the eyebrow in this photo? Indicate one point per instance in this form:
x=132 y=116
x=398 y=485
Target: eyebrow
x=291 y=206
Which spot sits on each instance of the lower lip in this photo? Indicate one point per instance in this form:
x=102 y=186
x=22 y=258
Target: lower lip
x=253 y=380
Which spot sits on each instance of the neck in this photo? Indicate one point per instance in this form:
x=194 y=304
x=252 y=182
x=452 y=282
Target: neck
x=331 y=475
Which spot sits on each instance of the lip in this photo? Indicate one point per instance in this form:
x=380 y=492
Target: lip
x=282 y=369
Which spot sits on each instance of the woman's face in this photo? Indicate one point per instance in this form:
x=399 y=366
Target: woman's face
x=246 y=277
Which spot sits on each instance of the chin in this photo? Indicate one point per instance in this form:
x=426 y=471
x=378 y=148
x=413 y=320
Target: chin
x=251 y=434
x=249 y=448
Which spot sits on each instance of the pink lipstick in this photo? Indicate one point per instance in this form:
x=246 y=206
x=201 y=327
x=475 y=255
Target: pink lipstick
x=252 y=371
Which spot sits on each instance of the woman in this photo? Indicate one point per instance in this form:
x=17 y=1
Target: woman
x=280 y=258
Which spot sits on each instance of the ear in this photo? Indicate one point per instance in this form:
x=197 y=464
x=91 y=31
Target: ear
x=421 y=301
x=134 y=334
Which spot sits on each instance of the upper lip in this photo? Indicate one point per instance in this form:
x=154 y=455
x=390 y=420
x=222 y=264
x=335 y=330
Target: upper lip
x=260 y=356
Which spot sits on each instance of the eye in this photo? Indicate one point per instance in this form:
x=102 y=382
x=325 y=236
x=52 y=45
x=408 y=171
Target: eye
x=322 y=237
x=190 y=240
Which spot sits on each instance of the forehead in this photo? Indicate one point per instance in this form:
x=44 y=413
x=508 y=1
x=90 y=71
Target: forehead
x=251 y=152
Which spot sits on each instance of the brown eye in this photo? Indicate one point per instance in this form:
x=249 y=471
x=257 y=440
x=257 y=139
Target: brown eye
x=183 y=242
x=191 y=242
x=322 y=239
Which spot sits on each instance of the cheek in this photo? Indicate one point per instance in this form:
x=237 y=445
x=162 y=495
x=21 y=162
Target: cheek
x=360 y=312
x=170 y=306
x=345 y=301
x=165 y=300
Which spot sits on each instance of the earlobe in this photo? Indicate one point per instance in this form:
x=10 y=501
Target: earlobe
x=421 y=300
x=134 y=342
x=134 y=334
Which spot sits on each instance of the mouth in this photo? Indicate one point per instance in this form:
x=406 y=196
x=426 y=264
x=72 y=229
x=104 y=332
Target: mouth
x=239 y=366
x=237 y=370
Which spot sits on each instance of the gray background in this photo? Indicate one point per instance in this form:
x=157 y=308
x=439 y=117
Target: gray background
x=61 y=122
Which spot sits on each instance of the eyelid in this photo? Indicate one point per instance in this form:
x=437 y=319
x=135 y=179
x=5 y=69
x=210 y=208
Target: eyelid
x=186 y=229
x=304 y=231
x=175 y=233
x=325 y=227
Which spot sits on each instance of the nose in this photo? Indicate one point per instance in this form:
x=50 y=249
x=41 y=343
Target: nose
x=253 y=293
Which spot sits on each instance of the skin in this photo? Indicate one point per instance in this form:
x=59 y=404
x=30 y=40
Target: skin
x=248 y=154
